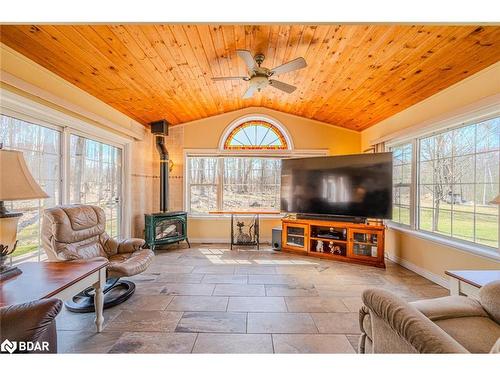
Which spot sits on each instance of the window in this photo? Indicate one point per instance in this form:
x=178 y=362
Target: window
x=245 y=173
x=458 y=177
x=251 y=184
x=255 y=135
x=402 y=170
x=95 y=178
x=41 y=149
x=233 y=184
x=203 y=180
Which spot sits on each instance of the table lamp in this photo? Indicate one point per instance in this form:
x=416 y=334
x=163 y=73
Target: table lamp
x=16 y=183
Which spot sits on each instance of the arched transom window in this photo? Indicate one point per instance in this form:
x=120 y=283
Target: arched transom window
x=255 y=135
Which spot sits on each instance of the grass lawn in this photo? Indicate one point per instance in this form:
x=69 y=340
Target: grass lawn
x=458 y=224
x=24 y=249
x=28 y=240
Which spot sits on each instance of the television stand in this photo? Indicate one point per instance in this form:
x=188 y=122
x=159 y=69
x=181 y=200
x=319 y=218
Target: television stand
x=336 y=240
x=336 y=218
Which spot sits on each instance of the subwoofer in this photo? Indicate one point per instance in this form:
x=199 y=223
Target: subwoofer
x=276 y=239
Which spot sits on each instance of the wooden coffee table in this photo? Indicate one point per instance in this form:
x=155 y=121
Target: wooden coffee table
x=468 y=282
x=61 y=280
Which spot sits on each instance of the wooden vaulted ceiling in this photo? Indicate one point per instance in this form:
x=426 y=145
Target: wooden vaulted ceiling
x=357 y=75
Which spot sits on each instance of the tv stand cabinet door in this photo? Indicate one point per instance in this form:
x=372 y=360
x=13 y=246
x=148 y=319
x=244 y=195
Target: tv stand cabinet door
x=295 y=237
x=366 y=244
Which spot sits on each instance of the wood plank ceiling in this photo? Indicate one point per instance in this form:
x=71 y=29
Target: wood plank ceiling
x=357 y=75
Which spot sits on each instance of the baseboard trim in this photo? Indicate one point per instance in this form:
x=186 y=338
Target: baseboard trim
x=420 y=271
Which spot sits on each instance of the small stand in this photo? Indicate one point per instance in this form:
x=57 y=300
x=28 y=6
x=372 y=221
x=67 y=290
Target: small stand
x=241 y=238
x=247 y=237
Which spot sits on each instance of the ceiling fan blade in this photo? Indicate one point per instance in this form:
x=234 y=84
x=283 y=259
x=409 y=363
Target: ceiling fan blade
x=250 y=91
x=290 y=66
x=247 y=58
x=282 y=86
x=229 y=78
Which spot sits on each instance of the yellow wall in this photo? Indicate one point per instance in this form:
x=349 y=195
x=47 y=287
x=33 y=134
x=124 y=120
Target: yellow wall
x=305 y=134
x=417 y=252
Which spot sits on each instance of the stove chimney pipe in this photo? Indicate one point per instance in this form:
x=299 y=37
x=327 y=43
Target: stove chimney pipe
x=160 y=130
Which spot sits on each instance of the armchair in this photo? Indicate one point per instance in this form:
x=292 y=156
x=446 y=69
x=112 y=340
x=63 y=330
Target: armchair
x=33 y=322
x=453 y=324
x=76 y=233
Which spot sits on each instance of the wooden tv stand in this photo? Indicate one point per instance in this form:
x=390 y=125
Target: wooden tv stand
x=343 y=241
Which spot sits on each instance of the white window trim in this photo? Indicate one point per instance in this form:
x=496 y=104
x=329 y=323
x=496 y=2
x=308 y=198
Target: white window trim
x=238 y=153
x=478 y=112
x=412 y=185
x=18 y=106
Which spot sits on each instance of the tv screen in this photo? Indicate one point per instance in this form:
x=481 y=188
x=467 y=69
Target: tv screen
x=348 y=185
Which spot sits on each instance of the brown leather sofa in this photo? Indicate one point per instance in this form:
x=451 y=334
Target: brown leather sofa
x=32 y=322
x=453 y=324
x=77 y=232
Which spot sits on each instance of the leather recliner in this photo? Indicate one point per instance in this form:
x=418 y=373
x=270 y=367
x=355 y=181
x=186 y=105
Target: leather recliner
x=33 y=322
x=77 y=232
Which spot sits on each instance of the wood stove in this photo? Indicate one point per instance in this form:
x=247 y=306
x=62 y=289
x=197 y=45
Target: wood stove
x=163 y=228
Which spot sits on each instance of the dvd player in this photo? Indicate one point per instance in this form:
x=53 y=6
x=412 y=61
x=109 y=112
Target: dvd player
x=333 y=234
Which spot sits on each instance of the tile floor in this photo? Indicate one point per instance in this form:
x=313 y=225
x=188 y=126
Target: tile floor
x=209 y=299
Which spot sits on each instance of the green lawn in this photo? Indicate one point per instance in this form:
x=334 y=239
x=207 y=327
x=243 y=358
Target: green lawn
x=458 y=224
x=28 y=240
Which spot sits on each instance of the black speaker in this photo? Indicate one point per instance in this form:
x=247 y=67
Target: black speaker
x=159 y=127
x=276 y=239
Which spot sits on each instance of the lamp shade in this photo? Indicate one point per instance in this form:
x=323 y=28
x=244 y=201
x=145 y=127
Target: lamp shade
x=16 y=181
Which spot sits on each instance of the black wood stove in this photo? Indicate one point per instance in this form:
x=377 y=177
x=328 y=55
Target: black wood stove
x=163 y=228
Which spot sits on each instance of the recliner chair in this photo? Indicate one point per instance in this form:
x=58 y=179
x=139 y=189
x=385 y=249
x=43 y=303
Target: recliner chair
x=77 y=232
x=33 y=322
x=452 y=324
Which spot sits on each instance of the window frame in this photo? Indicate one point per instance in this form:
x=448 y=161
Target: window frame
x=255 y=117
x=25 y=109
x=279 y=154
x=470 y=117
x=411 y=185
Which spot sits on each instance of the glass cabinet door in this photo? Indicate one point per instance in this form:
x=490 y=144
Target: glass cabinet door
x=366 y=243
x=295 y=236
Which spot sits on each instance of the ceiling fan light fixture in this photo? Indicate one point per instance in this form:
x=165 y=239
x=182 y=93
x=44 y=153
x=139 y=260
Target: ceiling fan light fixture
x=259 y=77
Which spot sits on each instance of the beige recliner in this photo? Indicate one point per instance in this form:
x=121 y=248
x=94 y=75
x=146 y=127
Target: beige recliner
x=76 y=232
x=453 y=324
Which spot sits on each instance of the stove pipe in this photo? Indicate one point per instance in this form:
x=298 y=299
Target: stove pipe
x=162 y=150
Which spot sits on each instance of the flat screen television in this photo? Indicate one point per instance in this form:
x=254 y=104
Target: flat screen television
x=350 y=185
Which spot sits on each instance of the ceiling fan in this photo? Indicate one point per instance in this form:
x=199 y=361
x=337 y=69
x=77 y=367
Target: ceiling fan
x=260 y=77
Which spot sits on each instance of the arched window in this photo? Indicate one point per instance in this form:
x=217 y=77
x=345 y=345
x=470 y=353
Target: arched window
x=256 y=135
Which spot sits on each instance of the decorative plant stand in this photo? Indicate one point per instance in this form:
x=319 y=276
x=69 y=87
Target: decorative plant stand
x=245 y=227
x=246 y=231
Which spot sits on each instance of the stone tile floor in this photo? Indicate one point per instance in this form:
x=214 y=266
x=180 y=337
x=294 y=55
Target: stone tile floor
x=209 y=299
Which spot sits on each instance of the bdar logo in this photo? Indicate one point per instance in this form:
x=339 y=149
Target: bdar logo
x=8 y=346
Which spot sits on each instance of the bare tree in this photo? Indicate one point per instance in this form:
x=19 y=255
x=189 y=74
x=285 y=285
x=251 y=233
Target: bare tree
x=442 y=151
